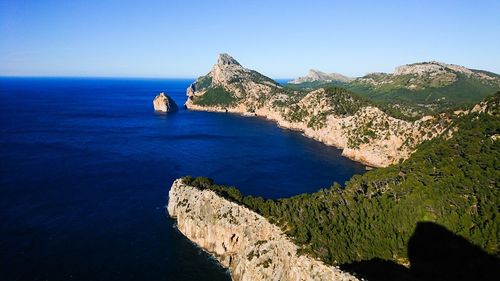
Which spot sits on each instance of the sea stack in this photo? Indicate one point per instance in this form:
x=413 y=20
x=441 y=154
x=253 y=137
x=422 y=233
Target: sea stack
x=164 y=103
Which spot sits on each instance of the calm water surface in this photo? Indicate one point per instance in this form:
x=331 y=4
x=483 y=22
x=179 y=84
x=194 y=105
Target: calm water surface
x=86 y=166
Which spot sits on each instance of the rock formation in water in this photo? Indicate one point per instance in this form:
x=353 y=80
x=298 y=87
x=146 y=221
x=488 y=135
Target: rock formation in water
x=242 y=240
x=164 y=103
x=333 y=116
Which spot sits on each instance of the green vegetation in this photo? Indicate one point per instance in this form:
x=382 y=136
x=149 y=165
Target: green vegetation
x=318 y=121
x=430 y=95
x=398 y=108
x=316 y=85
x=215 y=96
x=452 y=182
x=344 y=102
x=259 y=78
x=362 y=135
x=464 y=90
x=203 y=82
x=341 y=102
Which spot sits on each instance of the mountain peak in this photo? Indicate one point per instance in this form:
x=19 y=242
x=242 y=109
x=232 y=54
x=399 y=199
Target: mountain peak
x=226 y=59
x=420 y=68
x=316 y=75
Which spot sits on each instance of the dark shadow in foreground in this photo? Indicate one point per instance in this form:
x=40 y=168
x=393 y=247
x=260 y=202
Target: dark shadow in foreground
x=435 y=254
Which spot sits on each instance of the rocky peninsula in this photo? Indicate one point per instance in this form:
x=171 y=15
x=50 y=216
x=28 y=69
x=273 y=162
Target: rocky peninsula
x=242 y=240
x=364 y=132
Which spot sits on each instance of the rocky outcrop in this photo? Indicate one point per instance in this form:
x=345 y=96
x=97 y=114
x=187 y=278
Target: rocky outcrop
x=315 y=75
x=363 y=131
x=435 y=68
x=242 y=240
x=164 y=103
x=420 y=68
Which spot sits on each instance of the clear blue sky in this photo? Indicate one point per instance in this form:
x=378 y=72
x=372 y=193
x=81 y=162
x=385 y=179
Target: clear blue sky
x=278 y=38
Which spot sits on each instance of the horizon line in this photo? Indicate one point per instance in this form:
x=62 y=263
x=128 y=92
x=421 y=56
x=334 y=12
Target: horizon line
x=111 y=77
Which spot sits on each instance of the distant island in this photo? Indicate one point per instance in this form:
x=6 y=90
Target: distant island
x=435 y=140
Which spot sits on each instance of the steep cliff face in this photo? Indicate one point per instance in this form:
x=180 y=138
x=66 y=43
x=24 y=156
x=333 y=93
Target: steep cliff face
x=164 y=103
x=241 y=240
x=332 y=116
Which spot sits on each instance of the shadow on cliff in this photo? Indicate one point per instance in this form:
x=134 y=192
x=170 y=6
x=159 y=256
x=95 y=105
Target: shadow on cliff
x=435 y=254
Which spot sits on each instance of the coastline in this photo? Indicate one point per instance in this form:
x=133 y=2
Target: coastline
x=281 y=123
x=244 y=242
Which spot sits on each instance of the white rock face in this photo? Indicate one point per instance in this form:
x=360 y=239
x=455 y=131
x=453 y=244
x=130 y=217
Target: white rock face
x=315 y=75
x=420 y=68
x=242 y=240
x=435 y=68
x=164 y=103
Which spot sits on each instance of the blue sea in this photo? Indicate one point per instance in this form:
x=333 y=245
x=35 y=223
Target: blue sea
x=86 y=166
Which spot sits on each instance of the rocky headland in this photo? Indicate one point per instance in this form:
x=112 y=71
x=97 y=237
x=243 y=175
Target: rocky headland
x=242 y=240
x=364 y=132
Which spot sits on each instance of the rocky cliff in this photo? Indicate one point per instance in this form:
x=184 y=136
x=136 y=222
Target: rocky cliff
x=333 y=116
x=241 y=240
x=164 y=103
x=315 y=75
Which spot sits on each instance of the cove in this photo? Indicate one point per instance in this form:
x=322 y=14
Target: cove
x=86 y=166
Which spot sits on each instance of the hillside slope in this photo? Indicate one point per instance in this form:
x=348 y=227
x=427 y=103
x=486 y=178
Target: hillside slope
x=423 y=88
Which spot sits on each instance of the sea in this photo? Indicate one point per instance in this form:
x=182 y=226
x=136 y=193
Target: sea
x=86 y=166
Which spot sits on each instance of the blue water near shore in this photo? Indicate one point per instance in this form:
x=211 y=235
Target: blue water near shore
x=86 y=166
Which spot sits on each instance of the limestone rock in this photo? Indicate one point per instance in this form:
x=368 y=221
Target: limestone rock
x=420 y=68
x=434 y=68
x=164 y=103
x=315 y=75
x=241 y=240
x=226 y=59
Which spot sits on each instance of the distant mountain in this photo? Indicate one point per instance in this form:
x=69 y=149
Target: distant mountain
x=316 y=75
x=430 y=82
x=427 y=86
